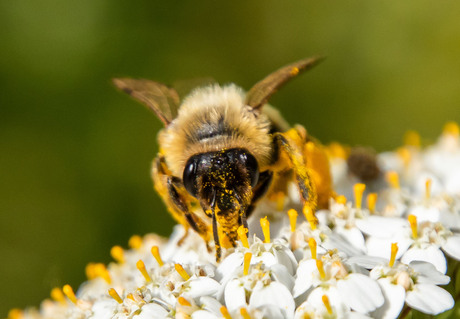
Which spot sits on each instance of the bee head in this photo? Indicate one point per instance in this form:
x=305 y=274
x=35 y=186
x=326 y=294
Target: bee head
x=222 y=181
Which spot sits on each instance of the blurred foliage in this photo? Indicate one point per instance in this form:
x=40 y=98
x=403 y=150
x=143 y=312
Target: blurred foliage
x=76 y=154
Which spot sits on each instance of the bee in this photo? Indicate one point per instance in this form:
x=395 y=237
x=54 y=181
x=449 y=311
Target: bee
x=222 y=150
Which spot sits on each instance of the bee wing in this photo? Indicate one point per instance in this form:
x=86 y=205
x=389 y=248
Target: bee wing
x=159 y=98
x=184 y=87
x=259 y=94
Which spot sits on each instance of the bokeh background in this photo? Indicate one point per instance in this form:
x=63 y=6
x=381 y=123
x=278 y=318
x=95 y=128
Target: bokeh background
x=75 y=153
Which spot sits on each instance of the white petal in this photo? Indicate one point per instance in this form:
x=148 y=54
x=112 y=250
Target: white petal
x=274 y=294
x=210 y=304
x=336 y=241
x=452 y=246
x=428 y=273
x=353 y=236
x=429 y=299
x=203 y=314
x=394 y=300
x=315 y=300
x=281 y=274
x=104 y=309
x=367 y=262
x=360 y=292
x=381 y=247
x=304 y=277
x=380 y=226
x=286 y=258
x=152 y=311
x=229 y=265
x=431 y=254
x=203 y=286
x=234 y=295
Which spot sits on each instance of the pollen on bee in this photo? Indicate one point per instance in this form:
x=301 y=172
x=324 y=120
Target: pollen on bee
x=113 y=293
x=141 y=267
x=68 y=291
x=294 y=71
x=265 y=224
x=242 y=235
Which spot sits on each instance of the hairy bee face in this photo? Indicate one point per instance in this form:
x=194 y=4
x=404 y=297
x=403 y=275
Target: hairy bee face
x=222 y=181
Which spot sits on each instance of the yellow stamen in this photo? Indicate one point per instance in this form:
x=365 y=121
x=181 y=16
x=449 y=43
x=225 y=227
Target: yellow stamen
x=184 y=302
x=341 y=200
x=312 y=244
x=15 y=314
x=135 y=242
x=245 y=314
x=428 y=188
x=451 y=128
x=141 y=266
x=247 y=263
x=413 y=225
x=279 y=201
x=337 y=150
x=156 y=255
x=68 y=291
x=58 y=295
x=242 y=231
x=371 y=201
x=327 y=304
x=113 y=293
x=292 y=213
x=90 y=271
x=130 y=296
x=117 y=253
x=412 y=138
x=319 y=265
x=359 y=190
x=310 y=217
x=224 y=312
x=394 y=251
x=405 y=155
x=393 y=179
x=265 y=224
x=182 y=272
x=101 y=271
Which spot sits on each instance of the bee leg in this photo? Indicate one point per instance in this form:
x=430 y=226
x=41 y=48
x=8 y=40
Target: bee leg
x=265 y=179
x=216 y=237
x=290 y=143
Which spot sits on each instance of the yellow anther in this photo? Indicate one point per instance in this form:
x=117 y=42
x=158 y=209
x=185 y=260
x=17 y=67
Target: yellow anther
x=113 y=293
x=117 y=253
x=341 y=200
x=242 y=235
x=394 y=251
x=101 y=271
x=265 y=224
x=405 y=155
x=413 y=225
x=244 y=313
x=428 y=188
x=451 y=128
x=312 y=244
x=156 y=254
x=68 y=291
x=292 y=213
x=247 y=263
x=135 y=242
x=183 y=302
x=319 y=265
x=58 y=295
x=15 y=314
x=337 y=150
x=130 y=296
x=412 y=138
x=182 y=272
x=327 y=304
x=280 y=201
x=141 y=266
x=310 y=217
x=359 y=190
x=371 y=201
x=393 y=179
x=224 y=312
x=90 y=271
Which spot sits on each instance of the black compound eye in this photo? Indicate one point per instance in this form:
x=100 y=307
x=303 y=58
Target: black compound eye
x=189 y=178
x=252 y=167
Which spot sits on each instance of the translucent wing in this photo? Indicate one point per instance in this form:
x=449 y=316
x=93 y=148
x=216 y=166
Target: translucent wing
x=159 y=98
x=259 y=94
x=184 y=87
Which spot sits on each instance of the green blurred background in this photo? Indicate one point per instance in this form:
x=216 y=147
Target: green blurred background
x=75 y=153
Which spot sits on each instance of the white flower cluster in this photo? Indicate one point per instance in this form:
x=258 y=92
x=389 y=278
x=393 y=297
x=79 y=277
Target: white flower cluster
x=345 y=262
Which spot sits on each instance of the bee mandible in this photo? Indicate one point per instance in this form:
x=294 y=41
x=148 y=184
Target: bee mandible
x=222 y=150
